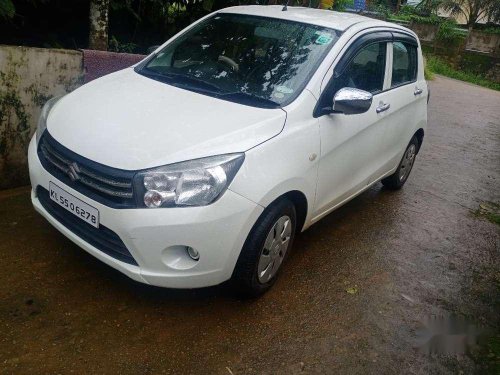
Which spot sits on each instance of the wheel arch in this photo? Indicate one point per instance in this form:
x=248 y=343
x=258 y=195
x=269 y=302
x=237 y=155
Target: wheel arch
x=299 y=200
x=420 y=137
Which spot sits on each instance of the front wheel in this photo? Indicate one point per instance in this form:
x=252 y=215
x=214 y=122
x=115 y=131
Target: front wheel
x=266 y=249
x=396 y=180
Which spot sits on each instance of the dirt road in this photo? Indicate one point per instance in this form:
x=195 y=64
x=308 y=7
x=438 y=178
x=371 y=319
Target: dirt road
x=354 y=295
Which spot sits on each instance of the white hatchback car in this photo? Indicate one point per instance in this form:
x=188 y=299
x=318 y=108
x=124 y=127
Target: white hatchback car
x=199 y=164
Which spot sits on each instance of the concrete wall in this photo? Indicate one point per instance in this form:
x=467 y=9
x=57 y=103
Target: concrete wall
x=425 y=32
x=477 y=41
x=28 y=78
x=483 y=42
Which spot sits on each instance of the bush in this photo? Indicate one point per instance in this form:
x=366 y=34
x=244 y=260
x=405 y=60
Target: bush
x=342 y=5
x=430 y=20
x=449 y=33
x=115 y=45
x=491 y=30
x=476 y=63
x=428 y=74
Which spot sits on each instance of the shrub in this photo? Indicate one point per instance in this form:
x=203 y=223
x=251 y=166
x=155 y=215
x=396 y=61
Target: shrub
x=342 y=5
x=428 y=74
x=116 y=46
x=449 y=33
x=491 y=30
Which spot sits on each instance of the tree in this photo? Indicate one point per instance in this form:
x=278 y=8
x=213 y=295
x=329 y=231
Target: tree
x=7 y=9
x=99 y=17
x=473 y=10
x=428 y=7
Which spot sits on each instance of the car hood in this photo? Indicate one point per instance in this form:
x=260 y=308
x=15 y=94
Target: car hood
x=128 y=121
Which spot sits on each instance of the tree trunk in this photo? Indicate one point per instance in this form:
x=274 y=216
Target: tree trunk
x=398 y=6
x=98 y=37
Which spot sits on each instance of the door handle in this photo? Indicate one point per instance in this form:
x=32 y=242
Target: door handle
x=383 y=107
x=417 y=91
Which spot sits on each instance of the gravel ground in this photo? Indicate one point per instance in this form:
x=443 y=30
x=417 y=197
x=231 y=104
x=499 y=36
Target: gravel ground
x=356 y=294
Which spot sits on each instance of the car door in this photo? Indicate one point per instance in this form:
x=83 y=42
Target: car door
x=351 y=144
x=407 y=95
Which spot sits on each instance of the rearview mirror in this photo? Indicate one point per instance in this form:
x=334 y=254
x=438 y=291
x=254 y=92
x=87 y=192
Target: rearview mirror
x=351 y=101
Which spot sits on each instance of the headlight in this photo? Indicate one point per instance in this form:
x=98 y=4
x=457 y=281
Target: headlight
x=192 y=183
x=42 y=121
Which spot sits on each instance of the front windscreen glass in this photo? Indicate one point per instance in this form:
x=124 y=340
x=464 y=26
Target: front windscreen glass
x=257 y=61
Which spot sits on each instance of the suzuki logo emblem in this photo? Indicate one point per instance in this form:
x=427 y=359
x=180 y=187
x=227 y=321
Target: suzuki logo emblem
x=73 y=171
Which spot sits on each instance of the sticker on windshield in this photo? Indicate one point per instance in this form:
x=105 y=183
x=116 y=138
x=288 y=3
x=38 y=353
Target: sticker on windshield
x=323 y=38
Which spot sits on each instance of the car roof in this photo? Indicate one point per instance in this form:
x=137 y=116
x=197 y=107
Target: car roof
x=326 y=18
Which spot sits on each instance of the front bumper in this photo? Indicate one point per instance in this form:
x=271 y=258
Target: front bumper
x=156 y=237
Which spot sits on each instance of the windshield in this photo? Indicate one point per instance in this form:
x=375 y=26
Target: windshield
x=257 y=61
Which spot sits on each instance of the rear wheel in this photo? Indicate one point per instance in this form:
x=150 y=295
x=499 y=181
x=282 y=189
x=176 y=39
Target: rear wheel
x=398 y=178
x=266 y=249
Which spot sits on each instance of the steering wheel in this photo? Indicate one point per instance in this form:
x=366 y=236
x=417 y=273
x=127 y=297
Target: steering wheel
x=229 y=62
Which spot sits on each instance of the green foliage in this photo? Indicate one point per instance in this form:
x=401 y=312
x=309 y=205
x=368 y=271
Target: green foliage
x=448 y=32
x=380 y=7
x=342 y=5
x=7 y=9
x=390 y=5
x=476 y=63
x=428 y=74
x=490 y=211
x=116 y=46
x=491 y=30
x=473 y=10
x=428 y=7
x=407 y=10
x=416 y=15
x=431 y=20
x=491 y=355
x=439 y=66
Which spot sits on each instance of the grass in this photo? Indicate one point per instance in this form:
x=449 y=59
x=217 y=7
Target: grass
x=437 y=65
x=490 y=211
x=428 y=74
x=492 y=359
x=490 y=30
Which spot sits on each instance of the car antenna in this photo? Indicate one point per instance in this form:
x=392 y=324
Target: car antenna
x=285 y=6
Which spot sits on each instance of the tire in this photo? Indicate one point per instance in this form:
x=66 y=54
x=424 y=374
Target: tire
x=259 y=249
x=396 y=180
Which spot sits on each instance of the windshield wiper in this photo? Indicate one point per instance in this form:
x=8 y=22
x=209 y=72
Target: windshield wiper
x=184 y=81
x=246 y=98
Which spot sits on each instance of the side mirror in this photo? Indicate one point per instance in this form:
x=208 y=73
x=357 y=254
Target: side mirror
x=351 y=101
x=151 y=49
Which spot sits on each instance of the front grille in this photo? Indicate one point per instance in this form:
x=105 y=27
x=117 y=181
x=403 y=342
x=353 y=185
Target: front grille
x=107 y=185
x=101 y=238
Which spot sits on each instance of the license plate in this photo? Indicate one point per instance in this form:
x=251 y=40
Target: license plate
x=74 y=205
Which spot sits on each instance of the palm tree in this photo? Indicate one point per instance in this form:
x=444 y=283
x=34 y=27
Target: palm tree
x=473 y=10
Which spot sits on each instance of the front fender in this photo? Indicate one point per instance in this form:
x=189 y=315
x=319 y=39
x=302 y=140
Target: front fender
x=284 y=163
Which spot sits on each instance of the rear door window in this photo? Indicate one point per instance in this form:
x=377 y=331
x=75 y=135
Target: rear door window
x=404 y=63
